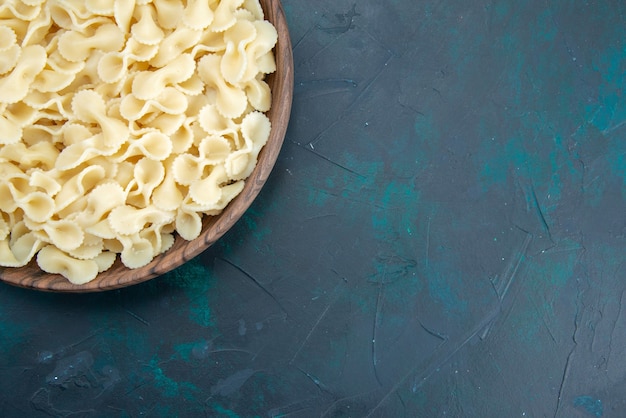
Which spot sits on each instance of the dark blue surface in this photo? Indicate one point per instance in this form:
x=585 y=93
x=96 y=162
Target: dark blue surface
x=443 y=235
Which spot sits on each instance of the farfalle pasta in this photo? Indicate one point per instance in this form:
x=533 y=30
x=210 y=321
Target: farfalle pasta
x=123 y=123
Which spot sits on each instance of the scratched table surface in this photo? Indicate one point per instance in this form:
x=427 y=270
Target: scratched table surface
x=443 y=235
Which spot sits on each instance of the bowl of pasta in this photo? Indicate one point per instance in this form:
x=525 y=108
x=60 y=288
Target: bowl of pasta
x=133 y=135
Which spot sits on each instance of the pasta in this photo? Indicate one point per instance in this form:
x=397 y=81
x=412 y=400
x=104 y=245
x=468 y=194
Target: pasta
x=123 y=123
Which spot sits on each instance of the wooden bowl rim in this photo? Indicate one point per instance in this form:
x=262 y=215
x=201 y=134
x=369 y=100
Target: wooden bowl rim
x=281 y=83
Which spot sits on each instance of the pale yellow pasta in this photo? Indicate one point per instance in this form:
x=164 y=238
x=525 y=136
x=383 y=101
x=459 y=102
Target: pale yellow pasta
x=231 y=101
x=123 y=123
x=234 y=63
x=149 y=84
x=123 y=13
x=207 y=191
x=53 y=260
x=11 y=131
x=100 y=201
x=224 y=15
x=37 y=28
x=9 y=57
x=75 y=46
x=146 y=30
x=100 y=7
x=20 y=10
x=168 y=194
x=197 y=14
x=137 y=251
x=169 y=13
x=214 y=149
x=5 y=229
x=148 y=174
x=173 y=45
x=64 y=234
x=153 y=144
x=170 y=101
x=15 y=85
x=188 y=224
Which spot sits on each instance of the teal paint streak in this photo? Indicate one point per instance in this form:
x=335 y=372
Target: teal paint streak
x=184 y=350
x=169 y=387
x=196 y=281
x=223 y=412
x=444 y=289
x=544 y=276
x=590 y=405
x=609 y=115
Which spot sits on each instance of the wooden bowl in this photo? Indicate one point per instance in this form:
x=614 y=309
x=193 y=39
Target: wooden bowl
x=281 y=84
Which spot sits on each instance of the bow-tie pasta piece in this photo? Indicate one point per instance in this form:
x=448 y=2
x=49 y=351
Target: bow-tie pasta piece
x=21 y=10
x=18 y=249
x=224 y=15
x=42 y=180
x=9 y=50
x=128 y=220
x=63 y=66
x=152 y=144
x=114 y=66
x=207 y=191
x=149 y=84
x=78 y=185
x=174 y=45
x=52 y=260
x=123 y=13
x=88 y=251
x=50 y=80
x=255 y=128
x=64 y=234
x=146 y=30
x=37 y=206
x=75 y=46
x=10 y=131
x=7 y=38
x=231 y=101
x=187 y=168
x=100 y=201
x=17 y=193
x=168 y=195
x=254 y=7
x=169 y=13
x=170 y=101
x=212 y=121
x=38 y=28
x=159 y=239
x=260 y=50
x=137 y=251
x=89 y=107
x=193 y=86
x=80 y=153
x=235 y=61
x=15 y=85
x=259 y=94
x=147 y=175
x=182 y=138
x=228 y=193
x=198 y=14
x=209 y=42
x=214 y=149
x=188 y=224
x=41 y=154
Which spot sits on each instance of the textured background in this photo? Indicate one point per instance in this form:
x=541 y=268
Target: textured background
x=443 y=235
